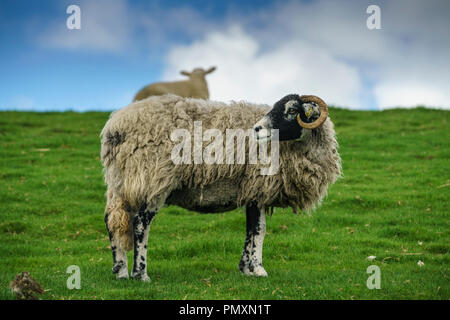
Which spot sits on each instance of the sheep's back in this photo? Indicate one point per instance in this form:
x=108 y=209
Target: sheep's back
x=136 y=144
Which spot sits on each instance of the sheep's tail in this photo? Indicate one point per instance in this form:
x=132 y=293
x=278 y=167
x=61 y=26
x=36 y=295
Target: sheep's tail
x=119 y=222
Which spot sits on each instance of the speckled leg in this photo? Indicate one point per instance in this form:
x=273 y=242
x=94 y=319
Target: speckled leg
x=141 y=228
x=251 y=261
x=120 y=265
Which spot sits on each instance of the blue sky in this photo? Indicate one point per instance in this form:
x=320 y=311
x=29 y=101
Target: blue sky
x=263 y=50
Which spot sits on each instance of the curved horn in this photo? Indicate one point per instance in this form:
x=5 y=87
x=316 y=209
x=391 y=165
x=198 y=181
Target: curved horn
x=323 y=112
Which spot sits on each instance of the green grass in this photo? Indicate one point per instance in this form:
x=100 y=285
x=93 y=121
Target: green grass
x=393 y=203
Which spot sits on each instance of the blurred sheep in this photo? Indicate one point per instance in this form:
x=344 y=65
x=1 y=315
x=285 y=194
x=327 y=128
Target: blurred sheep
x=194 y=87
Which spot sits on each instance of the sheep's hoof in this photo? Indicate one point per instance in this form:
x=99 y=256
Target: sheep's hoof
x=257 y=271
x=141 y=277
x=122 y=276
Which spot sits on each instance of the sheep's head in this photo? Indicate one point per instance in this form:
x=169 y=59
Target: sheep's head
x=291 y=115
x=198 y=72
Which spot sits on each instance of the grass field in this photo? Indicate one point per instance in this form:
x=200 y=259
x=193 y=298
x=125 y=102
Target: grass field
x=392 y=203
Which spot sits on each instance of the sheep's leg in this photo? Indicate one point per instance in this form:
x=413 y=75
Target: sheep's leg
x=141 y=228
x=251 y=261
x=119 y=254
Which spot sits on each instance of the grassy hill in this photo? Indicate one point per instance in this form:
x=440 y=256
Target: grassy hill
x=392 y=203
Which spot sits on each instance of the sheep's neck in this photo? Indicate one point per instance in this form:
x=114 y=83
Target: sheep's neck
x=199 y=83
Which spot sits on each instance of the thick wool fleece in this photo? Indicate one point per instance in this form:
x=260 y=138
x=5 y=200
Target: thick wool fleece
x=136 y=155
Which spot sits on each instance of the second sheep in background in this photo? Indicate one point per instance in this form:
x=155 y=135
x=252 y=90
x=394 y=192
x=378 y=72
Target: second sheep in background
x=194 y=87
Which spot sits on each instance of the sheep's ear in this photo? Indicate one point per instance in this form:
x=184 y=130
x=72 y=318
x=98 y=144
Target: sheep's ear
x=210 y=70
x=185 y=73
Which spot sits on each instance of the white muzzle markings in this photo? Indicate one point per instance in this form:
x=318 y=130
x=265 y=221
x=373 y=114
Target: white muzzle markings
x=262 y=129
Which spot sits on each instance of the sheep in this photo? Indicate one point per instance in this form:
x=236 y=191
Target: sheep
x=194 y=87
x=137 y=149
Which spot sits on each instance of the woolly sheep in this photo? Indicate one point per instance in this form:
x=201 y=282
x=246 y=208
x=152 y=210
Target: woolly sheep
x=136 y=148
x=194 y=87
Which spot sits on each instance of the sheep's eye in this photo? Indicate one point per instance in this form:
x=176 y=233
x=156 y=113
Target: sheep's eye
x=292 y=111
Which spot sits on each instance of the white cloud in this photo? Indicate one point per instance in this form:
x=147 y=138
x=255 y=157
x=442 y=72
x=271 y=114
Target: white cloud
x=415 y=69
x=121 y=25
x=324 y=48
x=249 y=71
x=105 y=26
x=407 y=94
x=318 y=47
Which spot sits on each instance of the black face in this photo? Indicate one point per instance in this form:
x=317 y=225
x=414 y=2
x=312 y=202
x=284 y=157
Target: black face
x=283 y=116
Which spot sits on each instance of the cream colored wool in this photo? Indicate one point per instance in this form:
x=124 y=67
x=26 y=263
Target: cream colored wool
x=136 y=155
x=194 y=87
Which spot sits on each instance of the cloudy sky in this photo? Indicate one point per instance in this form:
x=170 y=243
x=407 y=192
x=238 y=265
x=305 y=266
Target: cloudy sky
x=263 y=50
